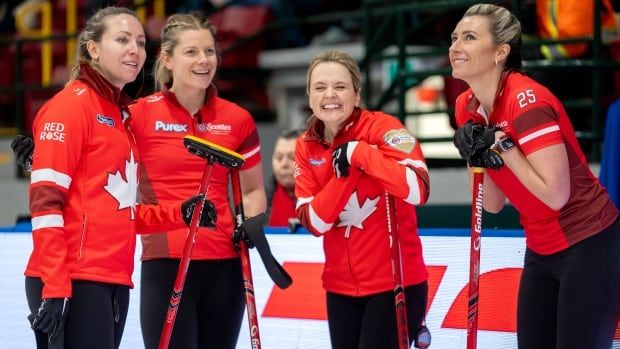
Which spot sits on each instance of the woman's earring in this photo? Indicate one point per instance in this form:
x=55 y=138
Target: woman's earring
x=495 y=61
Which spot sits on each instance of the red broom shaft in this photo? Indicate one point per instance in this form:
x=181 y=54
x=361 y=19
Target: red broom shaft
x=399 y=290
x=246 y=269
x=474 y=258
x=179 y=282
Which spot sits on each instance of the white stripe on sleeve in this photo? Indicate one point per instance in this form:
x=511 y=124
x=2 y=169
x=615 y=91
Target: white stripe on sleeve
x=251 y=153
x=319 y=225
x=50 y=175
x=303 y=201
x=48 y=221
x=414 y=163
x=539 y=133
x=414 y=187
x=412 y=179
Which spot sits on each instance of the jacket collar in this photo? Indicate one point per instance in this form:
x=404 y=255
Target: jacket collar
x=316 y=129
x=169 y=95
x=473 y=105
x=102 y=86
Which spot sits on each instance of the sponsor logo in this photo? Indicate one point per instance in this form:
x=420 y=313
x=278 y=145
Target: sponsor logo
x=222 y=129
x=254 y=335
x=400 y=139
x=349 y=125
x=53 y=131
x=106 y=120
x=296 y=171
x=503 y=125
x=166 y=127
x=79 y=91
x=317 y=162
x=153 y=99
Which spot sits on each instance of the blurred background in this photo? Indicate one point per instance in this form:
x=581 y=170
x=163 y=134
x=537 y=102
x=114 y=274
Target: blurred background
x=266 y=45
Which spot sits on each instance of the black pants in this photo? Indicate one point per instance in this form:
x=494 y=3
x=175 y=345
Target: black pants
x=96 y=317
x=370 y=322
x=211 y=308
x=571 y=299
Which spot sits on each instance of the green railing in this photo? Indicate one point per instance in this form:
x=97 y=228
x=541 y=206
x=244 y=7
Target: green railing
x=386 y=25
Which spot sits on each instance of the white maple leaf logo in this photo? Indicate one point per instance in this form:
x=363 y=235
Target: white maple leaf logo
x=124 y=191
x=354 y=215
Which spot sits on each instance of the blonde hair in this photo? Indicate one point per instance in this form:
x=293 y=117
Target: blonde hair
x=176 y=25
x=505 y=28
x=336 y=57
x=94 y=29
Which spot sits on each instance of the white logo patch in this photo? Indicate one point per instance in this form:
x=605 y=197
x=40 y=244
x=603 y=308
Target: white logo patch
x=162 y=126
x=400 y=139
x=53 y=131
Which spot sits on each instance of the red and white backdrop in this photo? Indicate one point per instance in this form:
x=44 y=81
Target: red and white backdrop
x=296 y=317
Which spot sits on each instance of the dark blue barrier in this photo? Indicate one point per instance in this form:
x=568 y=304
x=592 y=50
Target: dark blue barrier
x=423 y=232
x=26 y=227
x=20 y=227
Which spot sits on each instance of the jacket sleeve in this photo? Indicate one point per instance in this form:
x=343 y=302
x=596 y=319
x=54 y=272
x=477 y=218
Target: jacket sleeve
x=159 y=218
x=59 y=137
x=318 y=206
x=249 y=146
x=393 y=157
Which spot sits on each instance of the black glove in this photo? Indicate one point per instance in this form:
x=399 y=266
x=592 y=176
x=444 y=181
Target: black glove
x=249 y=227
x=51 y=317
x=483 y=140
x=293 y=224
x=464 y=138
x=208 y=216
x=340 y=162
x=488 y=159
x=23 y=147
x=473 y=138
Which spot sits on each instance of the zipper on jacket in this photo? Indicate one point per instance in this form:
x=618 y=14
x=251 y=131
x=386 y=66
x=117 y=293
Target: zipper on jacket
x=83 y=238
x=194 y=120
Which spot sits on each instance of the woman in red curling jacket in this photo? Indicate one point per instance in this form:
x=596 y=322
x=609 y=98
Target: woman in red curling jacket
x=211 y=310
x=83 y=193
x=569 y=294
x=341 y=198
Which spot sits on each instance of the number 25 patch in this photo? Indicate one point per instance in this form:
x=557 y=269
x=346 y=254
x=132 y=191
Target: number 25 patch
x=400 y=139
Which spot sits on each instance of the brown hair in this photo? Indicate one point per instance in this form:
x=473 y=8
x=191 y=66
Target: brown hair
x=94 y=29
x=175 y=25
x=336 y=57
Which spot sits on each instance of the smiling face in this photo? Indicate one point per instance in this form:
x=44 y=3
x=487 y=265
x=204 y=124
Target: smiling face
x=331 y=94
x=193 y=61
x=120 y=54
x=473 y=52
